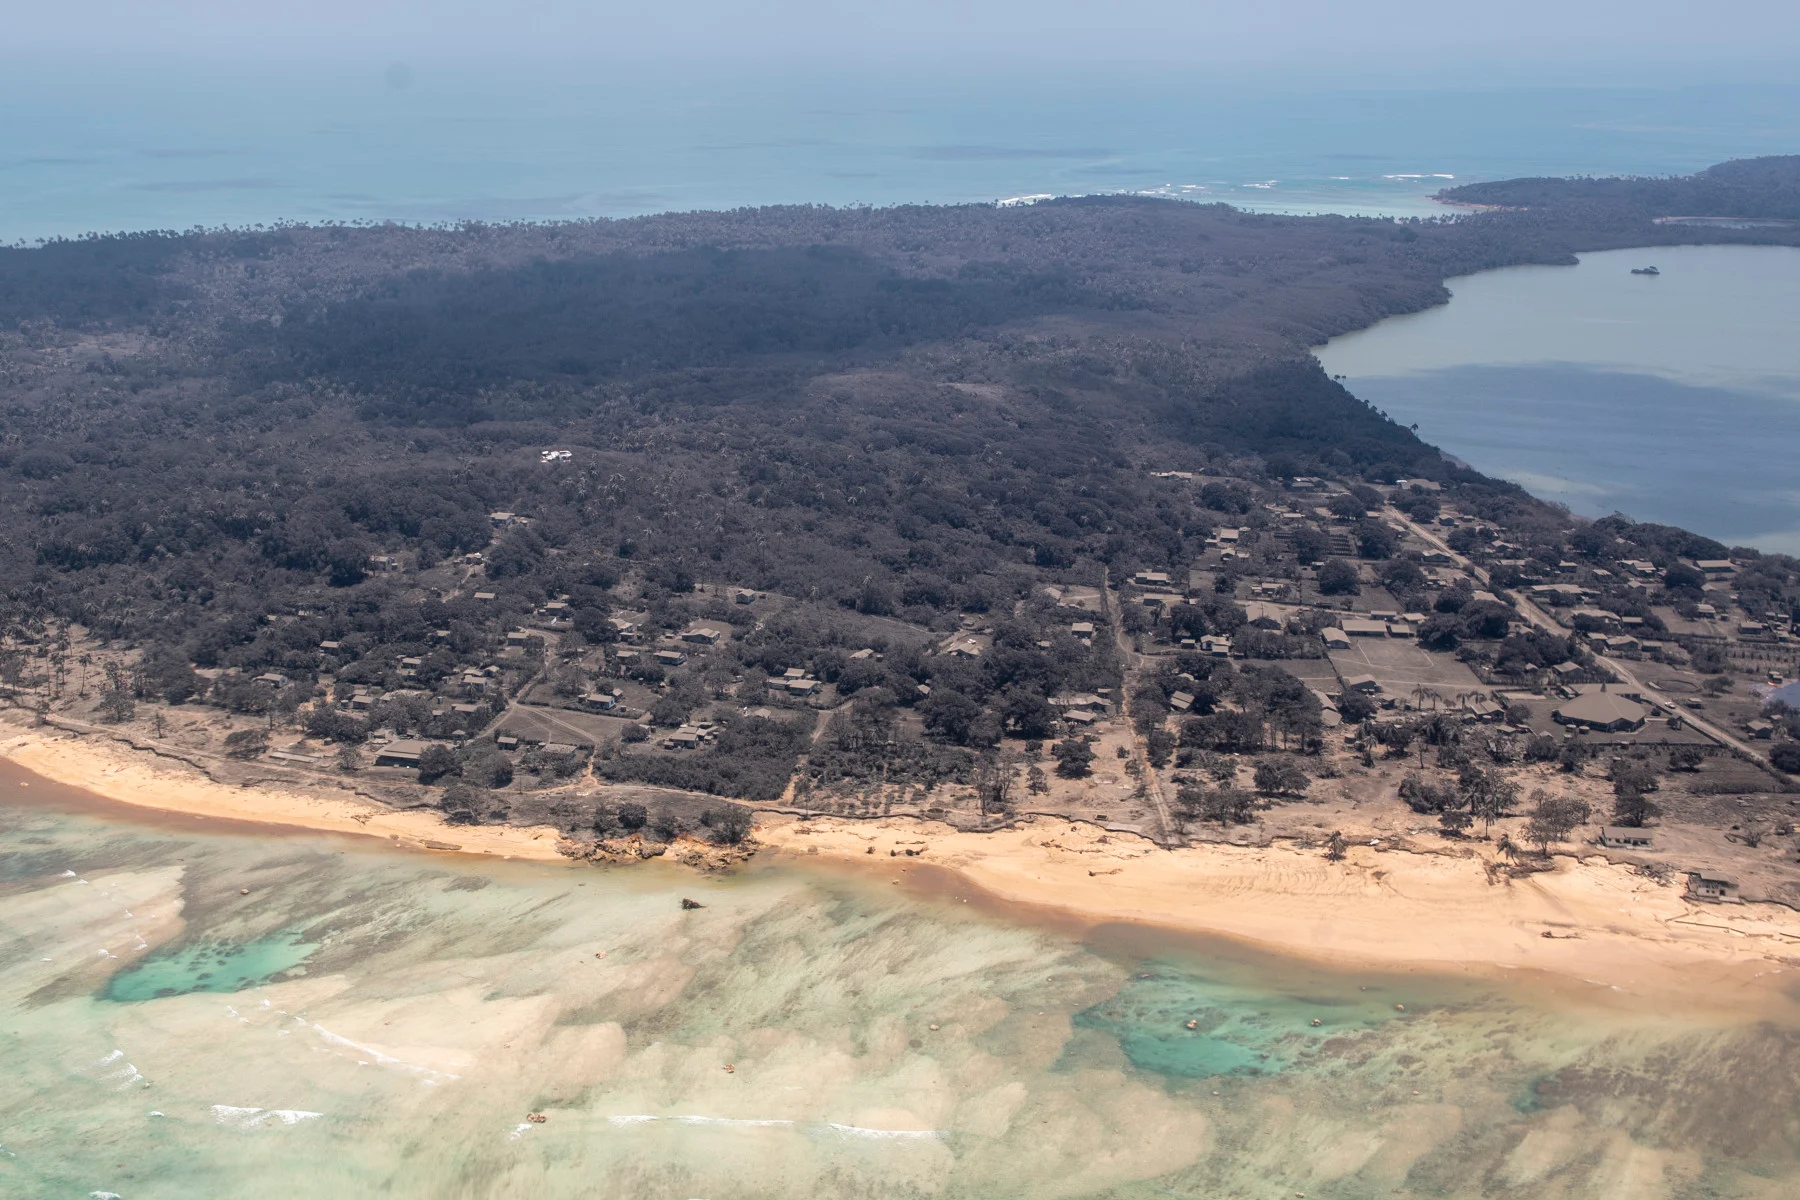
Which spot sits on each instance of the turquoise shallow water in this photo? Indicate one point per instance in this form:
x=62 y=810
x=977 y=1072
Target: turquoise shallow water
x=210 y=967
x=368 y=1023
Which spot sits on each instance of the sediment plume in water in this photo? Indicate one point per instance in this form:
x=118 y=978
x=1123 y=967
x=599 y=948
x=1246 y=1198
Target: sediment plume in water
x=365 y=1022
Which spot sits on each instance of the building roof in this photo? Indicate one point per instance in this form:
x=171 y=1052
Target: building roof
x=1602 y=708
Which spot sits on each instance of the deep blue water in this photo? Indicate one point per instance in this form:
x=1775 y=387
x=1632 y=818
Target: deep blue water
x=135 y=148
x=1716 y=460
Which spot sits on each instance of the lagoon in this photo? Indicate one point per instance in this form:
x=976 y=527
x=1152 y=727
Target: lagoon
x=392 y=1020
x=1672 y=398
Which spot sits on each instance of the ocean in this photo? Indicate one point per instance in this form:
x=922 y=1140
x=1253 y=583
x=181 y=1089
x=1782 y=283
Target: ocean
x=1672 y=398
x=188 y=1011
x=128 y=147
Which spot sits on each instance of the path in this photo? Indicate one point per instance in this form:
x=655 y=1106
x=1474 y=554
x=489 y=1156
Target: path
x=1128 y=662
x=1537 y=616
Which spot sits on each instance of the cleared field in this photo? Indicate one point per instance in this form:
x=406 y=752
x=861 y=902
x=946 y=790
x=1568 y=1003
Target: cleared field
x=1400 y=667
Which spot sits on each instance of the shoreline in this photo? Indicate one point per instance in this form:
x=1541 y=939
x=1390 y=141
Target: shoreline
x=1613 y=934
x=140 y=780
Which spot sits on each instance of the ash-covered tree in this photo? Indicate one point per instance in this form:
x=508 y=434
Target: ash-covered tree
x=437 y=761
x=1280 y=777
x=117 y=701
x=1074 y=757
x=1553 y=818
x=1338 y=578
x=729 y=824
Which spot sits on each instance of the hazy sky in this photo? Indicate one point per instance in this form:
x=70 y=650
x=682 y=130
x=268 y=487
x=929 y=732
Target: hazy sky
x=1400 y=37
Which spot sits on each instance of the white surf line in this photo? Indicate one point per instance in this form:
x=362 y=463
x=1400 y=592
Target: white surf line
x=859 y=1131
x=125 y=1076
x=430 y=1075
x=253 y=1118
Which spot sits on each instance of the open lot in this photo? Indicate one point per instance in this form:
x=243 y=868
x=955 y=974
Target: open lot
x=1400 y=667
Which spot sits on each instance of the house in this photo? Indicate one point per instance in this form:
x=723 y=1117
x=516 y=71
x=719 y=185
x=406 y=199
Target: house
x=1079 y=716
x=802 y=687
x=794 y=673
x=465 y=710
x=1621 y=837
x=1437 y=558
x=501 y=520
x=1158 y=579
x=1335 y=639
x=626 y=657
x=517 y=638
x=1480 y=708
x=484 y=595
x=271 y=680
x=330 y=646
x=1368 y=685
x=383 y=562
x=964 y=648
x=1760 y=730
x=703 y=636
x=1263 y=616
x=743 y=596
x=1218 y=647
x=868 y=652
x=600 y=701
x=1357 y=627
x=622 y=628
x=670 y=658
x=1566 y=670
x=1716 y=566
x=1083 y=630
x=363 y=701
x=1181 y=701
x=1707 y=885
x=683 y=739
x=555 y=608
x=1605 y=711
x=403 y=753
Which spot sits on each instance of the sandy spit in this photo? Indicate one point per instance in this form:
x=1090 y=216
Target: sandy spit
x=1613 y=931
x=142 y=780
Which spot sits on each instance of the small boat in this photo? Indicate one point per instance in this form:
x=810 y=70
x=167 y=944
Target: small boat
x=1645 y=271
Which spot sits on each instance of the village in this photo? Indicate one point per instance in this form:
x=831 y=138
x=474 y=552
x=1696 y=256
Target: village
x=1341 y=664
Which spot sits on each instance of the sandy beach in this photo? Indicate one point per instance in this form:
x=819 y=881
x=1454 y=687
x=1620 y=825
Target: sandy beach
x=145 y=781
x=1615 y=931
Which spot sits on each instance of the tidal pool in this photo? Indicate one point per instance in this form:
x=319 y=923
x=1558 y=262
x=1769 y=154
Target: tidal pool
x=1672 y=398
x=379 y=1023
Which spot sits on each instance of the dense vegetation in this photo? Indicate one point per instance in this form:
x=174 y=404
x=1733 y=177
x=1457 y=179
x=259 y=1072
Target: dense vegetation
x=915 y=414
x=1765 y=188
